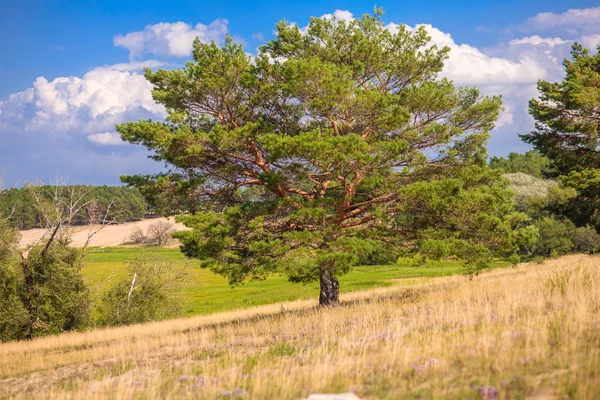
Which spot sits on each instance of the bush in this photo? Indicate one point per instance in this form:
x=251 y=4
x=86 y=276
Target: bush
x=555 y=237
x=377 y=253
x=137 y=236
x=148 y=293
x=43 y=294
x=586 y=239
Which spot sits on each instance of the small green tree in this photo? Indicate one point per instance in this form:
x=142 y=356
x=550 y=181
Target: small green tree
x=147 y=293
x=555 y=236
x=328 y=144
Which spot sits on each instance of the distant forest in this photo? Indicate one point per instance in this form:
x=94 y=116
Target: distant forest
x=126 y=204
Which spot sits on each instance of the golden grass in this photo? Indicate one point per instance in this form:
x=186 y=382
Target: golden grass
x=527 y=332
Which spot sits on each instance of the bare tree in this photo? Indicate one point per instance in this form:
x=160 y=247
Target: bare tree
x=57 y=211
x=160 y=231
x=101 y=219
x=137 y=236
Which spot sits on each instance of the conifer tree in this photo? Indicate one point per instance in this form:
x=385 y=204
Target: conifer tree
x=330 y=143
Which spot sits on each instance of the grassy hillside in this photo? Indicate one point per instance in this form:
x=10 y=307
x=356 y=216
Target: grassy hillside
x=204 y=292
x=532 y=331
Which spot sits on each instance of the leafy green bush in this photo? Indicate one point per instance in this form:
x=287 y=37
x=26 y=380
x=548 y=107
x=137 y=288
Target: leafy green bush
x=555 y=237
x=43 y=293
x=148 y=293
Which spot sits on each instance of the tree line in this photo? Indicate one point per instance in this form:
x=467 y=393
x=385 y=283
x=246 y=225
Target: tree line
x=116 y=203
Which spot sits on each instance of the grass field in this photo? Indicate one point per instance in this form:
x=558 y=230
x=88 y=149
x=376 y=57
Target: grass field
x=205 y=292
x=512 y=333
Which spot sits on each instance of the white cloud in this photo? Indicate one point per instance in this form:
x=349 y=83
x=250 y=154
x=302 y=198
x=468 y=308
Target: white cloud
x=340 y=15
x=537 y=40
x=580 y=20
x=106 y=139
x=60 y=126
x=590 y=41
x=468 y=65
x=68 y=102
x=170 y=39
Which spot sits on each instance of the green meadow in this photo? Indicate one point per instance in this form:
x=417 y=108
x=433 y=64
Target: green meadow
x=204 y=292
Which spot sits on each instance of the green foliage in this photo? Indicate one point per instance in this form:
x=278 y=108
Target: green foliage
x=126 y=204
x=583 y=208
x=567 y=132
x=147 y=293
x=540 y=197
x=9 y=238
x=586 y=239
x=43 y=294
x=555 y=237
x=323 y=150
x=531 y=163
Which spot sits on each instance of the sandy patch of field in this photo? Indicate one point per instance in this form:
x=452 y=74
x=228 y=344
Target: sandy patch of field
x=111 y=235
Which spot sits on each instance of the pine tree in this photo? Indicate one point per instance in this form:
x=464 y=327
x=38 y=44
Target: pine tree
x=328 y=144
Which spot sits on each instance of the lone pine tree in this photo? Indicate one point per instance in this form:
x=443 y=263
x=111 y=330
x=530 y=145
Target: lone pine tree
x=330 y=143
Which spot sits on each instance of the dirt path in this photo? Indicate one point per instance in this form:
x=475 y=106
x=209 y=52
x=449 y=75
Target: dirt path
x=112 y=235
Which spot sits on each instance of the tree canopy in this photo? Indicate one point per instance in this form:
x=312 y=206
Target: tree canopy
x=567 y=131
x=531 y=163
x=329 y=143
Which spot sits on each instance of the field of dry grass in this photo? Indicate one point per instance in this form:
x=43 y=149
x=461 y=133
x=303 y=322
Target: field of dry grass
x=527 y=332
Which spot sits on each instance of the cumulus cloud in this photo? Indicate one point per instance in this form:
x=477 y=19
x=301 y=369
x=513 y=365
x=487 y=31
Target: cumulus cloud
x=573 y=20
x=102 y=97
x=58 y=126
x=167 y=39
x=467 y=65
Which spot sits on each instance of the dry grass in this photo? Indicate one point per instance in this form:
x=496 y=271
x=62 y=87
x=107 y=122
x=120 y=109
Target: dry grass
x=532 y=331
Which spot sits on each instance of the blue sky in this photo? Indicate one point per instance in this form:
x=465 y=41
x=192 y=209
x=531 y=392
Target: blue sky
x=68 y=77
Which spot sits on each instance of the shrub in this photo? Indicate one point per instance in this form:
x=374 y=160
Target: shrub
x=43 y=294
x=137 y=236
x=586 y=239
x=148 y=293
x=555 y=237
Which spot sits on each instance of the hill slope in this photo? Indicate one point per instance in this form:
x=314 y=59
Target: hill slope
x=532 y=331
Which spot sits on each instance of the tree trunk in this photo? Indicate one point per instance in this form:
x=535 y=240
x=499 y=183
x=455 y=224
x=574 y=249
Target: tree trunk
x=330 y=289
